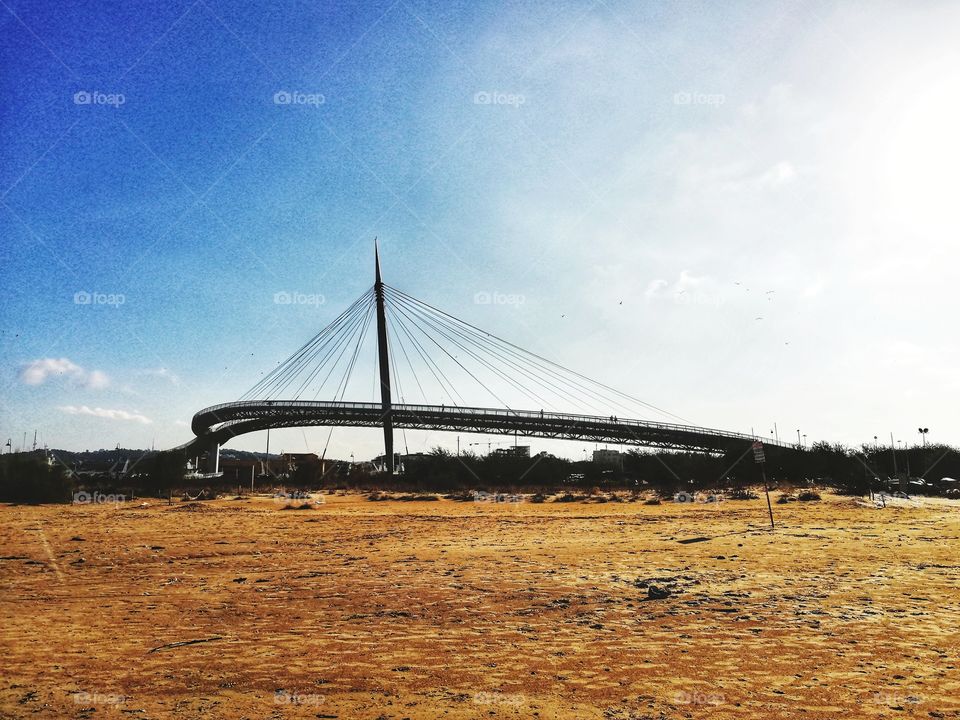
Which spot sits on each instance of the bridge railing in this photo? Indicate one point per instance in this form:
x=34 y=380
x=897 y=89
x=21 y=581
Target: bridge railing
x=483 y=412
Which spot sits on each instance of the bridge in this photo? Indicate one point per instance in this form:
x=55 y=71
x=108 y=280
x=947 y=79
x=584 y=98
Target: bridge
x=419 y=330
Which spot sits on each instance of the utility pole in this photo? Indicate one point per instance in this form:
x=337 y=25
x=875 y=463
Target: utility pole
x=893 y=451
x=267 y=458
x=384 y=361
x=759 y=458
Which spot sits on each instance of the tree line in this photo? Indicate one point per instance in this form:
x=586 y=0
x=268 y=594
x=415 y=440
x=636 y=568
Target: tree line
x=33 y=478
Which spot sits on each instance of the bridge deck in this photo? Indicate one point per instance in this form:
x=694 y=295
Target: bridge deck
x=219 y=423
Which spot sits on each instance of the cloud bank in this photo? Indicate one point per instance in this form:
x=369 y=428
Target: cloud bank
x=38 y=372
x=106 y=413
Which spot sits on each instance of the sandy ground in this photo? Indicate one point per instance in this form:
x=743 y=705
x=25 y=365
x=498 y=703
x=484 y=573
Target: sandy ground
x=361 y=609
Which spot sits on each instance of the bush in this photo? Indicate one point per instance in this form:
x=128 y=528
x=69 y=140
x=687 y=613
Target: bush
x=29 y=478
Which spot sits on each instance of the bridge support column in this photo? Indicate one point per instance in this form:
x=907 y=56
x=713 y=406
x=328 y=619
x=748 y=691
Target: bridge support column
x=213 y=458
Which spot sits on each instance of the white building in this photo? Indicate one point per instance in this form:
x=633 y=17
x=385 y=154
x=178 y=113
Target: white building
x=608 y=459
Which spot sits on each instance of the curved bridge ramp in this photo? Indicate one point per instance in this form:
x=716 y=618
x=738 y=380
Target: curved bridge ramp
x=219 y=423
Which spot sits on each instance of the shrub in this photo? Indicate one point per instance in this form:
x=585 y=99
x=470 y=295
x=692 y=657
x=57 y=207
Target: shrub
x=29 y=478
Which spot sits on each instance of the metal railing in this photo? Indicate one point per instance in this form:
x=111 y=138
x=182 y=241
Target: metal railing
x=493 y=413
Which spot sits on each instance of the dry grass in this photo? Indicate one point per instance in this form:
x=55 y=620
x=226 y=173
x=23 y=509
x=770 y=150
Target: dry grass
x=466 y=610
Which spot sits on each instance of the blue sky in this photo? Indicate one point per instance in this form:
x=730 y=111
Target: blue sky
x=739 y=212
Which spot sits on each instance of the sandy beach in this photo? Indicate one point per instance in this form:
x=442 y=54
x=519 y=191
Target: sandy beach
x=358 y=609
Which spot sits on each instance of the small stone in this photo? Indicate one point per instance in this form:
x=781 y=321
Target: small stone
x=657 y=593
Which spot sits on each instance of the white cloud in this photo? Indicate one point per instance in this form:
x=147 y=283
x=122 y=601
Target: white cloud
x=96 y=380
x=107 y=413
x=37 y=372
x=163 y=374
x=656 y=287
x=780 y=174
x=688 y=289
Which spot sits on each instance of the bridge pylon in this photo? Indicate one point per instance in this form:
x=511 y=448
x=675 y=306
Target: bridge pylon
x=386 y=404
x=213 y=458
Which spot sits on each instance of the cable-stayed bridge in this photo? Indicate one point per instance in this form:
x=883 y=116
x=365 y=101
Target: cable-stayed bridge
x=309 y=388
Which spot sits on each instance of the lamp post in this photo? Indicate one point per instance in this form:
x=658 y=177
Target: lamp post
x=893 y=451
x=923 y=435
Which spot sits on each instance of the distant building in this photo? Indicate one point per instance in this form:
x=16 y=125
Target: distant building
x=236 y=469
x=303 y=467
x=612 y=459
x=515 y=451
x=379 y=463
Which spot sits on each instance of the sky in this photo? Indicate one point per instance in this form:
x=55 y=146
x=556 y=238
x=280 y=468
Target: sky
x=744 y=213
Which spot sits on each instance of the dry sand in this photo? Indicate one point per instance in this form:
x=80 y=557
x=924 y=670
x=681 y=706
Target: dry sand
x=359 y=609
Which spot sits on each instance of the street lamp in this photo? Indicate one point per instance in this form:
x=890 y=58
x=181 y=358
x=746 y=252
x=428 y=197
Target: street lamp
x=923 y=434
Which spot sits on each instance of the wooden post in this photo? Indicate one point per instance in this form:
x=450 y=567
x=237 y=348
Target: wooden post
x=760 y=458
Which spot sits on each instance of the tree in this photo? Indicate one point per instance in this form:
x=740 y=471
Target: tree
x=31 y=478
